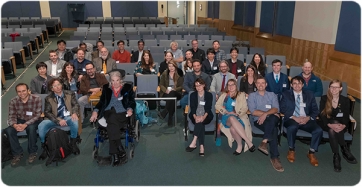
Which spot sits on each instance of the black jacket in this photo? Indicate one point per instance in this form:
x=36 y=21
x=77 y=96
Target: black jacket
x=239 y=65
x=208 y=106
x=343 y=107
x=134 y=58
x=128 y=100
x=244 y=85
x=163 y=67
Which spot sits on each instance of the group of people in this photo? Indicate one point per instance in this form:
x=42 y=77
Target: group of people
x=265 y=96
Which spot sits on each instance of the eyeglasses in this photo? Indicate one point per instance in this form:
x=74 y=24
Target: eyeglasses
x=333 y=87
x=89 y=69
x=231 y=84
x=56 y=85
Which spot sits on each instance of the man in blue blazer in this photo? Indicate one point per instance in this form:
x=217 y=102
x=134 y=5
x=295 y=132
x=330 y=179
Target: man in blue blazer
x=300 y=111
x=277 y=81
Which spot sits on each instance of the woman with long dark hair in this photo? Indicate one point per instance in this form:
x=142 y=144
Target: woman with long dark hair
x=259 y=64
x=69 y=77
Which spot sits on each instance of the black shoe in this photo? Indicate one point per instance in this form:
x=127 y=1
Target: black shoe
x=190 y=149
x=252 y=148
x=201 y=154
x=123 y=158
x=73 y=143
x=337 y=162
x=170 y=121
x=237 y=153
x=348 y=155
x=116 y=160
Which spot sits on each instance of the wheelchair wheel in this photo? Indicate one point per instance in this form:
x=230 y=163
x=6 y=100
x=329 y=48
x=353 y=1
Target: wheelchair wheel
x=137 y=130
x=131 y=151
x=95 y=152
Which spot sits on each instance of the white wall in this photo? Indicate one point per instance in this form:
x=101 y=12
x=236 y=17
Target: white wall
x=162 y=12
x=226 y=10
x=316 y=21
x=203 y=12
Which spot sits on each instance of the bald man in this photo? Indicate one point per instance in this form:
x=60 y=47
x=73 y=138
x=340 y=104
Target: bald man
x=312 y=82
x=104 y=63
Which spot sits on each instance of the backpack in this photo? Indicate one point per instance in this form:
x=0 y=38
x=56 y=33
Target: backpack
x=57 y=145
x=5 y=148
x=142 y=111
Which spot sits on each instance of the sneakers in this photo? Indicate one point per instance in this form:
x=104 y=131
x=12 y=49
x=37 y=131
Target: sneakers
x=32 y=157
x=276 y=164
x=263 y=148
x=16 y=159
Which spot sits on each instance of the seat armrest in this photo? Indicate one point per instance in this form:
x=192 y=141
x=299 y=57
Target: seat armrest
x=187 y=109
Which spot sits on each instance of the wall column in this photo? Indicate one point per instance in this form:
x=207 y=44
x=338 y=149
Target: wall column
x=106 y=7
x=45 y=9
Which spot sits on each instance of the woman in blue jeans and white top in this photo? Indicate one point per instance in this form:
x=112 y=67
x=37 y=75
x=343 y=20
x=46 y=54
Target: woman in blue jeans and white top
x=200 y=114
x=233 y=107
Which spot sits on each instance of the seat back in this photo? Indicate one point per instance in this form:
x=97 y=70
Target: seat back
x=270 y=58
x=147 y=84
x=6 y=53
x=127 y=67
x=208 y=127
x=254 y=50
x=294 y=71
x=16 y=46
x=72 y=43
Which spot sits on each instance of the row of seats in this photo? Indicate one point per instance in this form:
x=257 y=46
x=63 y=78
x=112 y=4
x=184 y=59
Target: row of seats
x=142 y=25
x=141 y=33
x=109 y=27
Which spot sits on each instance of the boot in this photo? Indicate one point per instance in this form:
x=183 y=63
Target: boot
x=123 y=155
x=44 y=154
x=337 y=162
x=116 y=160
x=73 y=143
x=348 y=155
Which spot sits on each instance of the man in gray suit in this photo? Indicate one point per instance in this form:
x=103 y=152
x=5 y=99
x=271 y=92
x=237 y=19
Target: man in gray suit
x=54 y=65
x=104 y=63
x=220 y=79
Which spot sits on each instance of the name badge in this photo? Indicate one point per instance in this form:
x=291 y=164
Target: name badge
x=239 y=70
x=102 y=72
x=246 y=97
x=66 y=113
x=117 y=61
x=169 y=88
x=284 y=85
x=59 y=70
x=254 y=89
x=174 y=56
x=267 y=106
x=339 y=115
x=258 y=72
x=314 y=80
x=215 y=68
x=153 y=70
x=302 y=104
x=84 y=69
x=29 y=113
x=233 y=104
x=202 y=102
x=120 y=98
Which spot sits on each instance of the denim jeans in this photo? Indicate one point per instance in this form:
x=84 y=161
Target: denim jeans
x=269 y=127
x=184 y=100
x=16 y=148
x=311 y=126
x=46 y=125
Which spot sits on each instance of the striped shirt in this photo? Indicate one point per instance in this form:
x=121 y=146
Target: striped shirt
x=29 y=111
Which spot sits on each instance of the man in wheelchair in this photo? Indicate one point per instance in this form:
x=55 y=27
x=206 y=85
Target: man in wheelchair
x=116 y=105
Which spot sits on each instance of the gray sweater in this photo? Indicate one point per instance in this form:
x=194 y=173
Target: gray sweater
x=36 y=84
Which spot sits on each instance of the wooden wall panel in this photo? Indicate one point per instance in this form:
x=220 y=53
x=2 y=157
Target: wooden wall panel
x=328 y=64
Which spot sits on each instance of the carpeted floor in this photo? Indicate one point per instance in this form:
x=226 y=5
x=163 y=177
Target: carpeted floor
x=160 y=158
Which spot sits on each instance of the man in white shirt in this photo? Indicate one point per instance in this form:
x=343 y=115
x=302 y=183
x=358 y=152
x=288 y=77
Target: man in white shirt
x=55 y=65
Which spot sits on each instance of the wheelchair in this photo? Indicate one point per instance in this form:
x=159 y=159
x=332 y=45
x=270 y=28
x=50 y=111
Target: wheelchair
x=130 y=134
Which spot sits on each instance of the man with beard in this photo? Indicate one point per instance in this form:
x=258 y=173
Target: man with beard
x=137 y=55
x=79 y=63
x=197 y=53
x=104 y=63
x=90 y=84
x=219 y=80
x=312 y=82
x=97 y=53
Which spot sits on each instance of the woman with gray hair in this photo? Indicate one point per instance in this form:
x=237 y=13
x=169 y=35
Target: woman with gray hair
x=178 y=57
x=116 y=104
